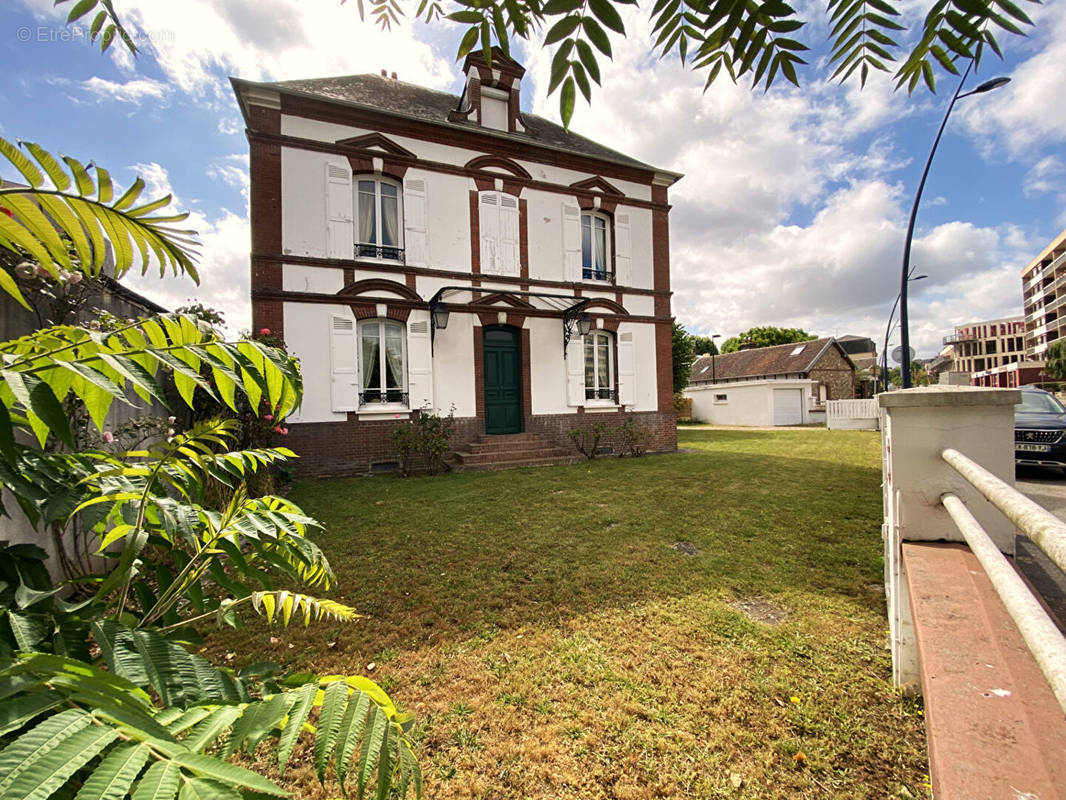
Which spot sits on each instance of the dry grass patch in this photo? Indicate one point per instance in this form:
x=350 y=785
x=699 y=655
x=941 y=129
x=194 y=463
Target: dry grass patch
x=554 y=644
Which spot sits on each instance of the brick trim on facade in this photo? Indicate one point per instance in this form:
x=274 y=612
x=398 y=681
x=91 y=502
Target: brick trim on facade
x=429 y=165
x=277 y=259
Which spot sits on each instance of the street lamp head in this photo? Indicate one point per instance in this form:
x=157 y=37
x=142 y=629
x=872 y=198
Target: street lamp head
x=918 y=277
x=716 y=336
x=988 y=86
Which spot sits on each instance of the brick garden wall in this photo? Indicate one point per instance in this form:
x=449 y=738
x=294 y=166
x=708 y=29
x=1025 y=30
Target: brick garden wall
x=334 y=449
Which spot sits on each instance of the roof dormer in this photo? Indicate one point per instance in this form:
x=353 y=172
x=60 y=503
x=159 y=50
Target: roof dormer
x=490 y=97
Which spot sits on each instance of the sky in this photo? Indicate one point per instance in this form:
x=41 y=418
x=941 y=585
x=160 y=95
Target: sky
x=794 y=204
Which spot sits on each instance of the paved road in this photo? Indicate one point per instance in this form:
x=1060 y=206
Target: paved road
x=1048 y=488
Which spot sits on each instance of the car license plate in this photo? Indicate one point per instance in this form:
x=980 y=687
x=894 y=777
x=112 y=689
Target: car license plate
x=1033 y=448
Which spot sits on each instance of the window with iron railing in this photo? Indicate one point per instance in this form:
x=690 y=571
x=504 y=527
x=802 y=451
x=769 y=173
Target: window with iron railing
x=599 y=367
x=379 y=219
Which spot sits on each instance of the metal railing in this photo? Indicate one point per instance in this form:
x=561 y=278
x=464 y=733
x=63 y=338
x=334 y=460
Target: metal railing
x=374 y=251
x=600 y=394
x=593 y=274
x=383 y=396
x=1046 y=531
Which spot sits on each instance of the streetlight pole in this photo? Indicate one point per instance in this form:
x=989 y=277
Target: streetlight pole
x=987 y=86
x=714 y=375
x=888 y=333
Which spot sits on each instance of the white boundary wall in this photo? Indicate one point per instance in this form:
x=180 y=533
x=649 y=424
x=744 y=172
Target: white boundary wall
x=860 y=415
x=918 y=425
x=746 y=402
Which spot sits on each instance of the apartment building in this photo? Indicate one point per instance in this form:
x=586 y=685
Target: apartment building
x=982 y=346
x=1044 y=296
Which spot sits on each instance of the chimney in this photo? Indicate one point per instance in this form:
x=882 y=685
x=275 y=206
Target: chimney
x=394 y=76
x=384 y=73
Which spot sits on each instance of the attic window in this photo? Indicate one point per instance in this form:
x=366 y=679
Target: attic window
x=797 y=350
x=494 y=109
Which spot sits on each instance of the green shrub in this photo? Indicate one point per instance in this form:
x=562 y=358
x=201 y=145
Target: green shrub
x=634 y=437
x=587 y=439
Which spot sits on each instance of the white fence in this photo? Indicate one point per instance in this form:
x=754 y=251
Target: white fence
x=852 y=415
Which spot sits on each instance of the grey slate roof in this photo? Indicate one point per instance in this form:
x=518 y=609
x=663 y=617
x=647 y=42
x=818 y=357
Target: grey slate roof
x=782 y=359
x=429 y=105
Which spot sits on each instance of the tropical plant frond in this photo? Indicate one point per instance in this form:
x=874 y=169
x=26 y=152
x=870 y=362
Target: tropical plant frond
x=959 y=30
x=149 y=661
x=105 y=27
x=38 y=371
x=862 y=37
x=74 y=725
x=282 y=606
x=67 y=220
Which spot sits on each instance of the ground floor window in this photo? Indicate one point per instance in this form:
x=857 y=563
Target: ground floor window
x=383 y=362
x=599 y=366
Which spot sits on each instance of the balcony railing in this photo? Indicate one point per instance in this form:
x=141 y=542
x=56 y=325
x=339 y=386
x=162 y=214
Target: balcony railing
x=382 y=396
x=600 y=394
x=384 y=253
x=956 y=338
x=592 y=274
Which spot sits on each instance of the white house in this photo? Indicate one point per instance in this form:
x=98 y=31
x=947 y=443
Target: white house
x=418 y=250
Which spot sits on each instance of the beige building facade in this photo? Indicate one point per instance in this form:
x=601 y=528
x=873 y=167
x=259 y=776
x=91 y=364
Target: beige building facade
x=983 y=346
x=1044 y=295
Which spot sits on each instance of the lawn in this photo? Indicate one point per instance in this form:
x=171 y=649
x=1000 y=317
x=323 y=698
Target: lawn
x=704 y=624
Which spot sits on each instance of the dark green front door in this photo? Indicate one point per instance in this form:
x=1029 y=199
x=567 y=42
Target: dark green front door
x=503 y=385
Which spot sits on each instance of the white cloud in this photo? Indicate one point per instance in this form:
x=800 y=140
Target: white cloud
x=789 y=213
x=223 y=268
x=232 y=171
x=223 y=252
x=1048 y=175
x=156 y=180
x=1028 y=113
x=134 y=91
x=198 y=43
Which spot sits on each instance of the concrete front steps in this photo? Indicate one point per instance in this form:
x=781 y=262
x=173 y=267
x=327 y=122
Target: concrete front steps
x=507 y=451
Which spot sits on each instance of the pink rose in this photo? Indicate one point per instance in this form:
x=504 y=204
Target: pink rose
x=264 y=331
x=268 y=417
x=277 y=429
x=284 y=431
x=109 y=437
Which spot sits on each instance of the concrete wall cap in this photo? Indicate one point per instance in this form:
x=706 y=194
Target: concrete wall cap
x=942 y=395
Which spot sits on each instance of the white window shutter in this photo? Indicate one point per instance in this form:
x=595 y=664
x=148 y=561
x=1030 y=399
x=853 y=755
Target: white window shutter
x=419 y=366
x=571 y=242
x=622 y=250
x=575 y=371
x=489 y=224
x=627 y=370
x=344 y=373
x=340 y=235
x=415 y=222
x=509 y=222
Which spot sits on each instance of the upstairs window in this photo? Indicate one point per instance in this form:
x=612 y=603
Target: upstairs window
x=599 y=367
x=498 y=224
x=378 y=219
x=595 y=243
x=382 y=362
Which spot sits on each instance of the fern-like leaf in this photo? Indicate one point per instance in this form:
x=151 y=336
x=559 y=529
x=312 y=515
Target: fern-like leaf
x=63 y=210
x=284 y=604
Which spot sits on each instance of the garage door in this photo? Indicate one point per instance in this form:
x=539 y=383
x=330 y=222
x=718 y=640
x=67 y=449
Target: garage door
x=788 y=406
